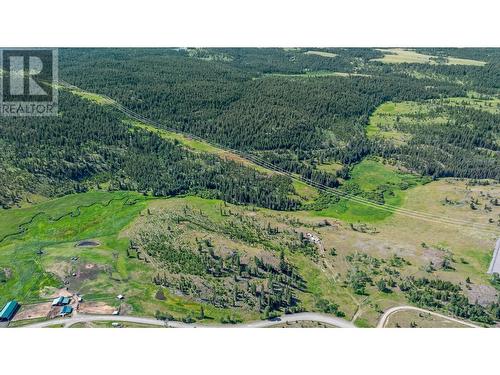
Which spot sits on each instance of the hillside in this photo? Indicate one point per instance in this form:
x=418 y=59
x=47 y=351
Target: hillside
x=230 y=185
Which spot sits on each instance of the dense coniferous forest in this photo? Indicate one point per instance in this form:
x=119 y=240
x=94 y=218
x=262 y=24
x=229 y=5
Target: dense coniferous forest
x=252 y=100
x=88 y=146
x=295 y=108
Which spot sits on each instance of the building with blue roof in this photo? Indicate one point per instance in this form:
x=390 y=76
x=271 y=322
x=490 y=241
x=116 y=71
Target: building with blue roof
x=9 y=311
x=65 y=310
x=61 y=301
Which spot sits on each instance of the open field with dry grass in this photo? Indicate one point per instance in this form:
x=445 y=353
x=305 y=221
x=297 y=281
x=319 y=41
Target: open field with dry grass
x=321 y=53
x=414 y=319
x=400 y=55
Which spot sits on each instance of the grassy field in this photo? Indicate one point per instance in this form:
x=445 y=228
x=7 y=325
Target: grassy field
x=370 y=175
x=111 y=219
x=321 y=53
x=315 y=74
x=95 y=98
x=415 y=319
x=399 y=55
x=305 y=193
x=432 y=112
x=99 y=273
x=329 y=167
x=53 y=224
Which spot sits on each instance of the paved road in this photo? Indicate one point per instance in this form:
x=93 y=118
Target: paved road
x=337 y=322
x=384 y=318
x=495 y=261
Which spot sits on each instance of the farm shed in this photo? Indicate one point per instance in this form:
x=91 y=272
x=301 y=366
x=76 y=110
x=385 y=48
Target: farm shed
x=65 y=310
x=60 y=301
x=9 y=311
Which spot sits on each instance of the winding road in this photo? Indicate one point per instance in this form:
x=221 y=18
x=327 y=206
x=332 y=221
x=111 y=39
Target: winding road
x=305 y=316
x=81 y=318
x=385 y=317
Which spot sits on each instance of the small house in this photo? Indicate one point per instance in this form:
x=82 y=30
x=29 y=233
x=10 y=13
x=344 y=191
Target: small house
x=120 y=296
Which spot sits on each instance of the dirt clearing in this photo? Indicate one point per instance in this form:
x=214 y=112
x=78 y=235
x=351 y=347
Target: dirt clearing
x=95 y=308
x=39 y=310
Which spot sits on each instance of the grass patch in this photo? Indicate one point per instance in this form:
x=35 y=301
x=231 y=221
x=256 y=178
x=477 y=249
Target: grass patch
x=320 y=286
x=362 y=323
x=53 y=225
x=321 y=53
x=305 y=192
x=95 y=98
x=315 y=74
x=368 y=178
x=399 y=55
x=329 y=167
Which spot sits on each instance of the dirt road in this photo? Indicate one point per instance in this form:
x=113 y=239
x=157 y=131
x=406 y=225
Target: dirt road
x=385 y=317
x=81 y=318
x=305 y=316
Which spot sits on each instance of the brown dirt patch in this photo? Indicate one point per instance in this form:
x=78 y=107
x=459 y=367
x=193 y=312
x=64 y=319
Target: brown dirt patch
x=88 y=272
x=54 y=312
x=483 y=294
x=95 y=308
x=60 y=269
x=39 y=310
x=434 y=256
x=83 y=273
x=54 y=293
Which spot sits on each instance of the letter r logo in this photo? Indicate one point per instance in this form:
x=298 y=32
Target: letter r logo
x=27 y=75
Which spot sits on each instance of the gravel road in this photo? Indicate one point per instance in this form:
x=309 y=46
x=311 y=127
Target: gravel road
x=81 y=318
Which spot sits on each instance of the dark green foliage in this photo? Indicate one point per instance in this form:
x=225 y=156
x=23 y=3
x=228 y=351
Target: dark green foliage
x=383 y=286
x=88 y=144
x=358 y=279
x=163 y=316
x=3 y=276
x=439 y=294
x=220 y=279
x=495 y=280
x=328 y=307
x=299 y=120
x=463 y=147
x=291 y=123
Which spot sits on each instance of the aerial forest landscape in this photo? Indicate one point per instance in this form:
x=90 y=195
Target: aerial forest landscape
x=256 y=187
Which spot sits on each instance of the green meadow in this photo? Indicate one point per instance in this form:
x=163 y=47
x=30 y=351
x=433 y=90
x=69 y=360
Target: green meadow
x=368 y=177
x=56 y=226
